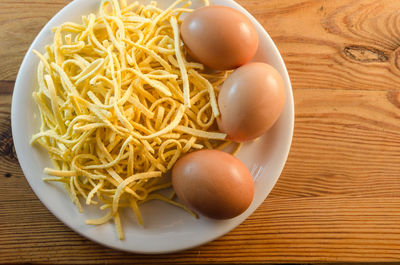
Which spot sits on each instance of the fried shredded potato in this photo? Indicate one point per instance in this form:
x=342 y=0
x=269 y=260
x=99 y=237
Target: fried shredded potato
x=120 y=103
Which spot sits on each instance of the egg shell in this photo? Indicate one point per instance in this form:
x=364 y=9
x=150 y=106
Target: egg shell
x=250 y=101
x=219 y=37
x=214 y=183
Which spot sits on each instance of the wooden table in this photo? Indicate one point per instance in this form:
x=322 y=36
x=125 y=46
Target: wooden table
x=338 y=198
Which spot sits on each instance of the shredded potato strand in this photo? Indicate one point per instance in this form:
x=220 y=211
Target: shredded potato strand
x=120 y=102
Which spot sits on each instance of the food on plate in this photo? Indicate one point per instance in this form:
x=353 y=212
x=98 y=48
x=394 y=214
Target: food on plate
x=250 y=101
x=219 y=37
x=213 y=182
x=120 y=102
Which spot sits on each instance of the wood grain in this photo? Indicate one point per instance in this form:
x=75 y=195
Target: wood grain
x=20 y=22
x=338 y=197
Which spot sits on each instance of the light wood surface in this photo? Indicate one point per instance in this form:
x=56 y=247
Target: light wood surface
x=338 y=198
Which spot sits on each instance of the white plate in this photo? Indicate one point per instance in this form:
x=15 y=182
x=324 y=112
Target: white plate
x=167 y=229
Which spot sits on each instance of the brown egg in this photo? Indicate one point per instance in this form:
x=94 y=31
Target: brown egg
x=250 y=101
x=214 y=183
x=220 y=37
